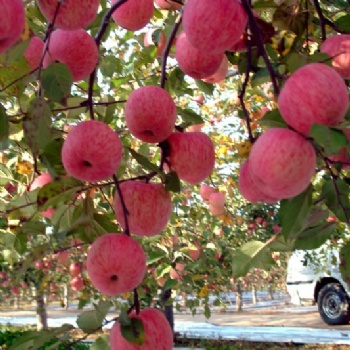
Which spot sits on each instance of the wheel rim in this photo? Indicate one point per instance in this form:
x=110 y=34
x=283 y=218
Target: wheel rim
x=332 y=305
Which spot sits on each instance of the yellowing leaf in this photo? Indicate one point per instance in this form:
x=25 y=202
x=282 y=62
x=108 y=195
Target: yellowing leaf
x=24 y=167
x=203 y=292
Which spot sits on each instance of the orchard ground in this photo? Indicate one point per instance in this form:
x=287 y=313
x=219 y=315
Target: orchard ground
x=275 y=321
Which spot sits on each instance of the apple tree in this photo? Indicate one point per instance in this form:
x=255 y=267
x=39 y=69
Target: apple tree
x=168 y=146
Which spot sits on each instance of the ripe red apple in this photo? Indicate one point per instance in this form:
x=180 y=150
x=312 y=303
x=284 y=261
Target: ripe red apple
x=116 y=264
x=158 y=334
x=63 y=257
x=15 y=291
x=220 y=73
x=150 y=114
x=238 y=46
x=168 y=4
x=77 y=284
x=72 y=14
x=92 y=151
x=39 y=182
x=214 y=26
x=249 y=189
x=193 y=62
x=148 y=205
x=77 y=49
x=205 y=191
x=34 y=52
x=75 y=269
x=192 y=156
x=217 y=199
x=195 y=128
x=12 y=19
x=338 y=47
x=199 y=99
x=276 y=229
x=134 y=14
x=39 y=264
x=314 y=93
x=282 y=163
x=216 y=211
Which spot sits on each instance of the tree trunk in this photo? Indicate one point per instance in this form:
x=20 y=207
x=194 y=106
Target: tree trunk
x=66 y=296
x=168 y=309
x=270 y=290
x=254 y=294
x=239 y=299
x=41 y=314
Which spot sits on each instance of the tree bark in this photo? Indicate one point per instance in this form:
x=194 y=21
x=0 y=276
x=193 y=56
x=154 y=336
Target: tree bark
x=41 y=314
x=168 y=309
x=254 y=294
x=239 y=299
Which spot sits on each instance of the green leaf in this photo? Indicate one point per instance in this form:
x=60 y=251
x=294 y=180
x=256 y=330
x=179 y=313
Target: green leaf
x=57 y=81
x=293 y=213
x=205 y=87
x=253 y=254
x=260 y=77
x=101 y=343
x=154 y=256
x=134 y=332
x=143 y=161
x=207 y=312
x=344 y=262
x=51 y=157
x=343 y=23
x=90 y=321
x=273 y=119
x=170 y=284
x=336 y=195
x=189 y=117
x=37 y=125
x=332 y=140
x=172 y=182
x=4 y=128
x=5 y=175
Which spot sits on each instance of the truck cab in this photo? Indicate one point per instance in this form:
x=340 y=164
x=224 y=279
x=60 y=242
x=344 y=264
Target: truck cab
x=314 y=276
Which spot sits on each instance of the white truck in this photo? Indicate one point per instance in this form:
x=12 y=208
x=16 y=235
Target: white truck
x=314 y=276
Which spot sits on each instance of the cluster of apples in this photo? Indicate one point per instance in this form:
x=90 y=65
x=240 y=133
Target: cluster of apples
x=214 y=198
x=200 y=47
x=282 y=161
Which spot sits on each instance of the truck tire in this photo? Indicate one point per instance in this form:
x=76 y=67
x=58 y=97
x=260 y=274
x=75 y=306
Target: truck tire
x=333 y=304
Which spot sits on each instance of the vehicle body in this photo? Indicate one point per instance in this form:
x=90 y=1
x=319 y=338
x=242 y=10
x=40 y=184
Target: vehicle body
x=314 y=276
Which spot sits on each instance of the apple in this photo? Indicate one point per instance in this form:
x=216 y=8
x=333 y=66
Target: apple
x=75 y=269
x=205 y=191
x=15 y=291
x=192 y=156
x=157 y=331
x=214 y=26
x=116 y=264
x=177 y=272
x=3 y=274
x=39 y=182
x=150 y=114
x=148 y=205
x=168 y=4
x=39 y=264
x=249 y=189
x=76 y=49
x=34 y=52
x=276 y=229
x=160 y=42
x=134 y=14
x=220 y=73
x=216 y=211
x=193 y=62
x=72 y=14
x=338 y=48
x=217 y=199
x=199 y=99
x=282 y=163
x=63 y=257
x=12 y=19
x=92 y=151
x=239 y=46
x=314 y=93
x=195 y=128
x=77 y=284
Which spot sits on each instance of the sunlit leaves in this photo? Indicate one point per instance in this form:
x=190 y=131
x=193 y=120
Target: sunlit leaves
x=4 y=128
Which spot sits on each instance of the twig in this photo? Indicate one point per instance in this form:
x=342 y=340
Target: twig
x=322 y=19
x=122 y=201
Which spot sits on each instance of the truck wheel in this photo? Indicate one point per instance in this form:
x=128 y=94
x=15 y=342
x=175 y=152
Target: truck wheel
x=333 y=304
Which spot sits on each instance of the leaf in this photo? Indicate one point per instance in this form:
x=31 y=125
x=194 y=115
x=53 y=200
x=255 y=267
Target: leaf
x=336 y=195
x=189 y=117
x=207 y=312
x=260 y=77
x=101 y=343
x=37 y=125
x=344 y=262
x=293 y=213
x=154 y=256
x=332 y=140
x=57 y=81
x=143 y=161
x=172 y=182
x=205 y=87
x=134 y=332
x=5 y=175
x=51 y=157
x=170 y=284
x=273 y=119
x=90 y=321
x=343 y=23
x=253 y=254
x=4 y=129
